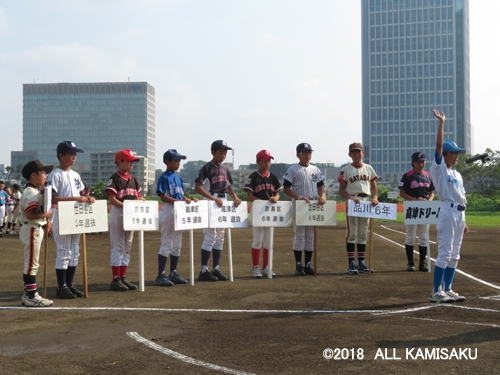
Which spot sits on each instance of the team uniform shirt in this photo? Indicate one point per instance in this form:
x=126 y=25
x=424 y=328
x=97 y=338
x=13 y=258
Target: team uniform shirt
x=448 y=182
x=417 y=185
x=304 y=181
x=123 y=187
x=10 y=201
x=357 y=179
x=65 y=183
x=263 y=187
x=32 y=199
x=3 y=197
x=215 y=178
x=171 y=185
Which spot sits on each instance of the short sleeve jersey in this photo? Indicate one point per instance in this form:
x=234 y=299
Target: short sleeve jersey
x=32 y=199
x=215 y=178
x=263 y=187
x=170 y=184
x=3 y=197
x=65 y=183
x=123 y=187
x=448 y=182
x=304 y=181
x=357 y=179
x=417 y=185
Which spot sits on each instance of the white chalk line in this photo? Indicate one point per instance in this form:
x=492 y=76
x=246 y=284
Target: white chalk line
x=497 y=298
x=453 y=322
x=434 y=260
x=184 y=358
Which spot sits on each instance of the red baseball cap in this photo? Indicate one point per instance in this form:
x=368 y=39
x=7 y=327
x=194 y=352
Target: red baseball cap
x=125 y=155
x=264 y=155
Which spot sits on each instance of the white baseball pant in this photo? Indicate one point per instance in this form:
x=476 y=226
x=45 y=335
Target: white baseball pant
x=67 y=245
x=411 y=234
x=450 y=232
x=121 y=240
x=171 y=240
x=31 y=236
x=2 y=215
x=261 y=236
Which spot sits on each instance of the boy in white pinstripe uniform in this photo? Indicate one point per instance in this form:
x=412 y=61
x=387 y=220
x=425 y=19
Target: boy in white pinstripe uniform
x=66 y=186
x=303 y=181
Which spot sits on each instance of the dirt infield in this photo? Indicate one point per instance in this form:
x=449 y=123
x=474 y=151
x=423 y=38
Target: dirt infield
x=279 y=326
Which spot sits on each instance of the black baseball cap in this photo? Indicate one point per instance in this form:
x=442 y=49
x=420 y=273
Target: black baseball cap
x=304 y=147
x=220 y=145
x=35 y=166
x=418 y=156
x=67 y=147
x=172 y=154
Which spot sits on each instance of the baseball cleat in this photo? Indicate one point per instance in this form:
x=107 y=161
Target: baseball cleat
x=363 y=268
x=176 y=279
x=423 y=267
x=77 y=292
x=265 y=272
x=256 y=274
x=163 y=280
x=456 y=297
x=299 y=270
x=219 y=275
x=36 y=301
x=64 y=293
x=441 y=296
x=308 y=270
x=130 y=286
x=353 y=268
x=207 y=276
x=411 y=267
x=118 y=286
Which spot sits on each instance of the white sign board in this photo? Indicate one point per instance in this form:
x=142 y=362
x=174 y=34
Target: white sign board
x=392 y=194
x=313 y=214
x=267 y=214
x=75 y=217
x=383 y=211
x=228 y=216
x=47 y=198
x=140 y=215
x=191 y=216
x=422 y=212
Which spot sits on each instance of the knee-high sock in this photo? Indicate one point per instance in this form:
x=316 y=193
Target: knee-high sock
x=449 y=275
x=162 y=263
x=438 y=277
x=409 y=253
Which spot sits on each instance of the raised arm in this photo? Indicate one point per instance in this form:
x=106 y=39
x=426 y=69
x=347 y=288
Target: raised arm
x=440 y=132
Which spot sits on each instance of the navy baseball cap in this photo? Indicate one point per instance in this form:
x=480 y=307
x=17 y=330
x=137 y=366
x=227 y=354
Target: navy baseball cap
x=172 y=154
x=67 y=147
x=220 y=145
x=449 y=146
x=418 y=156
x=33 y=167
x=304 y=147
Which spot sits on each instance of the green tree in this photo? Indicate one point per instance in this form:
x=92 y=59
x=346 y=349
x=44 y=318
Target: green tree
x=482 y=178
x=99 y=191
x=382 y=193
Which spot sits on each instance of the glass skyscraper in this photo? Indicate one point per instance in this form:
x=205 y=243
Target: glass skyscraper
x=415 y=58
x=97 y=117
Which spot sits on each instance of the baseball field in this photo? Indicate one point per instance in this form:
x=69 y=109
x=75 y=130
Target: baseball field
x=370 y=324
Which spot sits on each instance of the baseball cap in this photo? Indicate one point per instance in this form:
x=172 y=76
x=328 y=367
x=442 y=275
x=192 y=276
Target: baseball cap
x=67 y=147
x=125 y=155
x=264 y=155
x=418 y=156
x=449 y=146
x=35 y=166
x=355 y=146
x=172 y=154
x=220 y=145
x=16 y=186
x=304 y=147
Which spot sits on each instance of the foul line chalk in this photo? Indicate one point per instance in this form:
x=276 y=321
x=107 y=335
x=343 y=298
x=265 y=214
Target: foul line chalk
x=434 y=260
x=453 y=322
x=183 y=357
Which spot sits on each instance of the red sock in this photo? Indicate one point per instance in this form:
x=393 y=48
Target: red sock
x=255 y=257
x=116 y=271
x=123 y=271
x=265 y=262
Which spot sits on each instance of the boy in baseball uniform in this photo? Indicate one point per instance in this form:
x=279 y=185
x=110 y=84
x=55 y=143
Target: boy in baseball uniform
x=66 y=187
x=214 y=183
x=170 y=189
x=416 y=185
x=451 y=221
x=358 y=181
x=304 y=181
x=121 y=186
x=34 y=219
x=3 y=201
x=262 y=185
x=16 y=198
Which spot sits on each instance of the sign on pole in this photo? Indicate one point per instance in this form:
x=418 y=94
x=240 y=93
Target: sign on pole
x=228 y=216
x=422 y=212
x=47 y=199
x=267 y=214
x=383 y=211
x=75 y=217
x=313 y=214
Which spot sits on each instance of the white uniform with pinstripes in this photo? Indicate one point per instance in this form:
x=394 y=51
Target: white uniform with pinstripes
x=65 y=184
x=304 y=182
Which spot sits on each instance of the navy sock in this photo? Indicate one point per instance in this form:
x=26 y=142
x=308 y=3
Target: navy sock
x=70 y=275
x=61 y=277
x=298 y=256
x=350 y=252
x=217 y=254
x=162 y=264
x=307 y=257
x=205 y=257
x=173 y=263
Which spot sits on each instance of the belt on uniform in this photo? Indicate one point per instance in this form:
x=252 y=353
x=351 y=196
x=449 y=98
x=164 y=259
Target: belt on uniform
x=219 y=195
x=458 y=207
x=35 y=225
x=362 y=195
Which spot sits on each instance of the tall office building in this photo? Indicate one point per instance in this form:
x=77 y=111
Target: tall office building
x=415 y=58
x=97 y=117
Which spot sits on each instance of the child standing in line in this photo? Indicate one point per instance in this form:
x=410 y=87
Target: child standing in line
x=31 y=235
x=16 y=198
x=214 y=183
x=262 y=185
x=66 y=186
x=3 y=201
x=170 y=189
x=121 y=186
x=303 y=181
x=451 y=225
x=357 y=182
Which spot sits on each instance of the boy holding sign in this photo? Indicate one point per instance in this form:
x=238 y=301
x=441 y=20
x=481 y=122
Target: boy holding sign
x=357 y=182
x=303 y=181
x=170 y=189
x=262 y=185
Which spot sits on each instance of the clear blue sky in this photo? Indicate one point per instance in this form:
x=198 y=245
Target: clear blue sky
x=258 y=74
